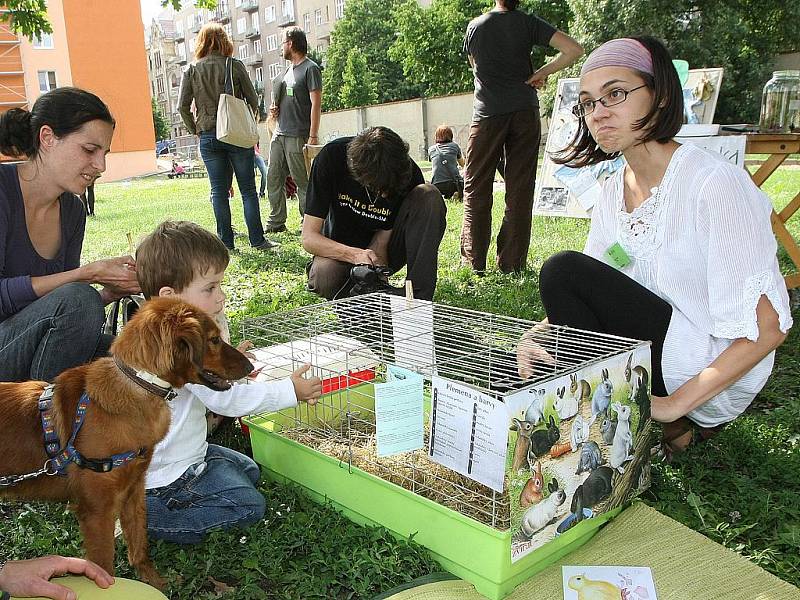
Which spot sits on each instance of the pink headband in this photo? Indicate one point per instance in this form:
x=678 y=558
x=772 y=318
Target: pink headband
x=623 y=52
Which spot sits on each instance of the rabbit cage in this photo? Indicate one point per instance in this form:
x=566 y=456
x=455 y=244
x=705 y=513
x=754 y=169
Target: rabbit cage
x=495 y=475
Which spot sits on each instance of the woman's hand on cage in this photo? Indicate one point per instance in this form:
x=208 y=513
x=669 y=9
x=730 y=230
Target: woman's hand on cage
x=530 y=352
x=307 y=390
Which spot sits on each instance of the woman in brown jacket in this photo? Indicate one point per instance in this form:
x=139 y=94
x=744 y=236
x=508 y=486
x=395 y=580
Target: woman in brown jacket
x=203 y=83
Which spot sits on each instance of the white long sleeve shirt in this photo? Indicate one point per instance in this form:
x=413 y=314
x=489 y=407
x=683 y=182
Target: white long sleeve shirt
x=703 y=242
x=185 y=443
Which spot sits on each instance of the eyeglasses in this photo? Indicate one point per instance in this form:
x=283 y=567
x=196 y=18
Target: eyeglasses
x=612 y=98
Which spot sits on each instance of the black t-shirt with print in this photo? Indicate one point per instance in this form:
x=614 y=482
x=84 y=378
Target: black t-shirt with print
x=352 y=214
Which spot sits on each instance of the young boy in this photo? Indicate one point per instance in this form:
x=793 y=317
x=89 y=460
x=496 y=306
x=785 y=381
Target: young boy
x=193 y=486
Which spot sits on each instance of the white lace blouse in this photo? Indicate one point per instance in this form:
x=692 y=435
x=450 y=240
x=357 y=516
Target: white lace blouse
x=703 y=242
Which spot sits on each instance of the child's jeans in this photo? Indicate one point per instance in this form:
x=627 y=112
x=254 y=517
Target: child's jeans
x=219 y=492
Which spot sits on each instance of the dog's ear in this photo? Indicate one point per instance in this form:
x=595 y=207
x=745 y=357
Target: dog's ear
x=183 y=341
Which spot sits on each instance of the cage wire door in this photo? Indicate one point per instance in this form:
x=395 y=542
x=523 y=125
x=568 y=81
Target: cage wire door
x=350 y=342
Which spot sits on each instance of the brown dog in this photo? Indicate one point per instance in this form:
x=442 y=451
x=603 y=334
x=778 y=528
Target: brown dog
x=170 y=339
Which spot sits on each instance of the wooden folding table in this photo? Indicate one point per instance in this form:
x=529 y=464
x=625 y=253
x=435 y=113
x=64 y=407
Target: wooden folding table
x=779 y=147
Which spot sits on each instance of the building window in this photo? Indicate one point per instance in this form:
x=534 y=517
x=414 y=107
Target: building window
x=44 y=41
x=244 y=52
x=307 y=22
x=160 y=85
x=257 y=47
x=339 y=8
x=260 y=74
x=241 y=24
x=275 y=69
x=179 y=28
x=318 y=16
x=269 y=14
x=238 y=3
x=272 y=42
x=287 y=10
x=254 y=20
x=228 y=29
x=158 y=60
x=47 y=81
x=192 y=45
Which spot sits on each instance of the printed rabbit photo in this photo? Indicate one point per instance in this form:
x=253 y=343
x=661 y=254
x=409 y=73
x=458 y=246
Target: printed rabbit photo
x=541 y=515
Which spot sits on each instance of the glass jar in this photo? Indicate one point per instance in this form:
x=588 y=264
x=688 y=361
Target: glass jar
x=780 y=103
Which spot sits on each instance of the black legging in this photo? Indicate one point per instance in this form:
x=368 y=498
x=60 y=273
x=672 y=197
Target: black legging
x=582 y=292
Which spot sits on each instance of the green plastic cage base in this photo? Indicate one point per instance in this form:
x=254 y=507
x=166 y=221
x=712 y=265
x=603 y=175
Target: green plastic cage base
x=471 y=550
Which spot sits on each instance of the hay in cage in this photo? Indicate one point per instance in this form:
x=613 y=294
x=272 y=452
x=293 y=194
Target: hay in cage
x=412 y=471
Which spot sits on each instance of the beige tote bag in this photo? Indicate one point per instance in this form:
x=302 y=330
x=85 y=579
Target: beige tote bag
x=235 y=122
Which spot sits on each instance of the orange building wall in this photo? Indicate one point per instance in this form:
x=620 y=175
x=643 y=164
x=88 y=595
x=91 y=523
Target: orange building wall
x=107 y=57
x=12 y=87
x=47 y=59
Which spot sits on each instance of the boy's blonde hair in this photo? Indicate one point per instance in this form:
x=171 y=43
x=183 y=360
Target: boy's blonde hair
x=175 y=253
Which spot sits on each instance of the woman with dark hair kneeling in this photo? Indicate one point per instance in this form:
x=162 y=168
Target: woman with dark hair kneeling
x=680 y=250
x=50 y=317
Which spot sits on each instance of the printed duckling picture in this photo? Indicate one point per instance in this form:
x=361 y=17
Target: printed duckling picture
x=608 y=583
x=578 y=448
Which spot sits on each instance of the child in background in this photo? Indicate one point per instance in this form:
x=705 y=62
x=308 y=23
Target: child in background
x=192 y=486
x=446 y=157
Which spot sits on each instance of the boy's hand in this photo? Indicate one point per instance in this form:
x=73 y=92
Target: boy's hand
x=306 y=390
x=244 y=346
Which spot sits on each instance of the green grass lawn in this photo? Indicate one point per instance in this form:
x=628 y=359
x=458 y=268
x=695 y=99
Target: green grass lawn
x=741 y=489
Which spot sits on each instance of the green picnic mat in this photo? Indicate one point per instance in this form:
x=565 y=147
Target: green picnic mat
x=686 y=565
x=123 y=589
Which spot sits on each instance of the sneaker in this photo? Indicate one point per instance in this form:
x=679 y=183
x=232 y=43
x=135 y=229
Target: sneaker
x=275 y=229
x=266 y=245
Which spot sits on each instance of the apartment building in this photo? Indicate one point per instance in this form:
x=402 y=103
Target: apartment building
x=95 y=45
x=165 y=69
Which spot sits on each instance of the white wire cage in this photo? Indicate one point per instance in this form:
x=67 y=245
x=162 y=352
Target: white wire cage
x=350 y=342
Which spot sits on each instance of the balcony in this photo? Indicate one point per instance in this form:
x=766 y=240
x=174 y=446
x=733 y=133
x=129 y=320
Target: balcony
x=249 y=5
x=181 y=60
x=254 y=60
x=252 y=33
x=195 y=28
x=324 y=31
x=286 y=20
x=221 y=15
x=180 y=36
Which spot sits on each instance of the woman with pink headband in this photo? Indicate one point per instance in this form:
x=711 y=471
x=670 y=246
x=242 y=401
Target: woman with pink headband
x=680 y=250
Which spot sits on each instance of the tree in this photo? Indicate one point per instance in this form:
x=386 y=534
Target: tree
x=740 y=36
x=160 y=123
x=429 y=44
x=369 y=26
x=359 y=87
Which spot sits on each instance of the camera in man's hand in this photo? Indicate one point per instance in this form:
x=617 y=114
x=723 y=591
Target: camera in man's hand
x=370 y=278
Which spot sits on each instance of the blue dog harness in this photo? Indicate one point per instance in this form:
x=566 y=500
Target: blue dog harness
x=60 y=458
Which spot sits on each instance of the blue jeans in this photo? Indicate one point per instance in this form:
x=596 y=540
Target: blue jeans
x=60 y=330
x=219 y=492
x=262 y=167
x=222 y=161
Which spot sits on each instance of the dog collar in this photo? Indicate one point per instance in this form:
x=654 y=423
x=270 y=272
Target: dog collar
x=147 y=381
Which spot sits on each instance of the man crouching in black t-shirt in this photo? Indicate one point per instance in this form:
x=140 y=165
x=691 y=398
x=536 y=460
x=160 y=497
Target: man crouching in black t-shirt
x=367 y=203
